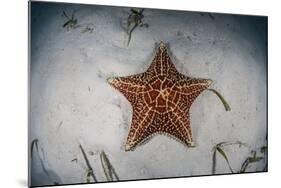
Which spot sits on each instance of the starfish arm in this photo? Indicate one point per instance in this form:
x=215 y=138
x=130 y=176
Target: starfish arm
x=180 y=126
x=161 y=64
x=142 y=118
x=129 y=86
x=190 y=89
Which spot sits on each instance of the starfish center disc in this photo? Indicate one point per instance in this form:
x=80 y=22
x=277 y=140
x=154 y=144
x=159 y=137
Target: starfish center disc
x=158 y=96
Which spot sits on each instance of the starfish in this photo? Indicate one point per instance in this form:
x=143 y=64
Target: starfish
x=161 y=98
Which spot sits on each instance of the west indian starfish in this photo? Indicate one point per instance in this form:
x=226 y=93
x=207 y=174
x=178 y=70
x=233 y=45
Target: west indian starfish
x=161 y=98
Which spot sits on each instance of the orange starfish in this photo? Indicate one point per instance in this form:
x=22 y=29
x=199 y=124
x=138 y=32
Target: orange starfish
x=161 y=98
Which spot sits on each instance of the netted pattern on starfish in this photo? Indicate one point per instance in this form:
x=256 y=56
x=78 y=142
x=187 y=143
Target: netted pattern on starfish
x=161 y=98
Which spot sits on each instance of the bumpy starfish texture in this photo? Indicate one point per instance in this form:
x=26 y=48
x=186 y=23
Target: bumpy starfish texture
x=161 y=98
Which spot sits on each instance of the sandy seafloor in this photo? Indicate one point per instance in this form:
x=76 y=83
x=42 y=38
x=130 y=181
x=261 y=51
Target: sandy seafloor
x=71 y=102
